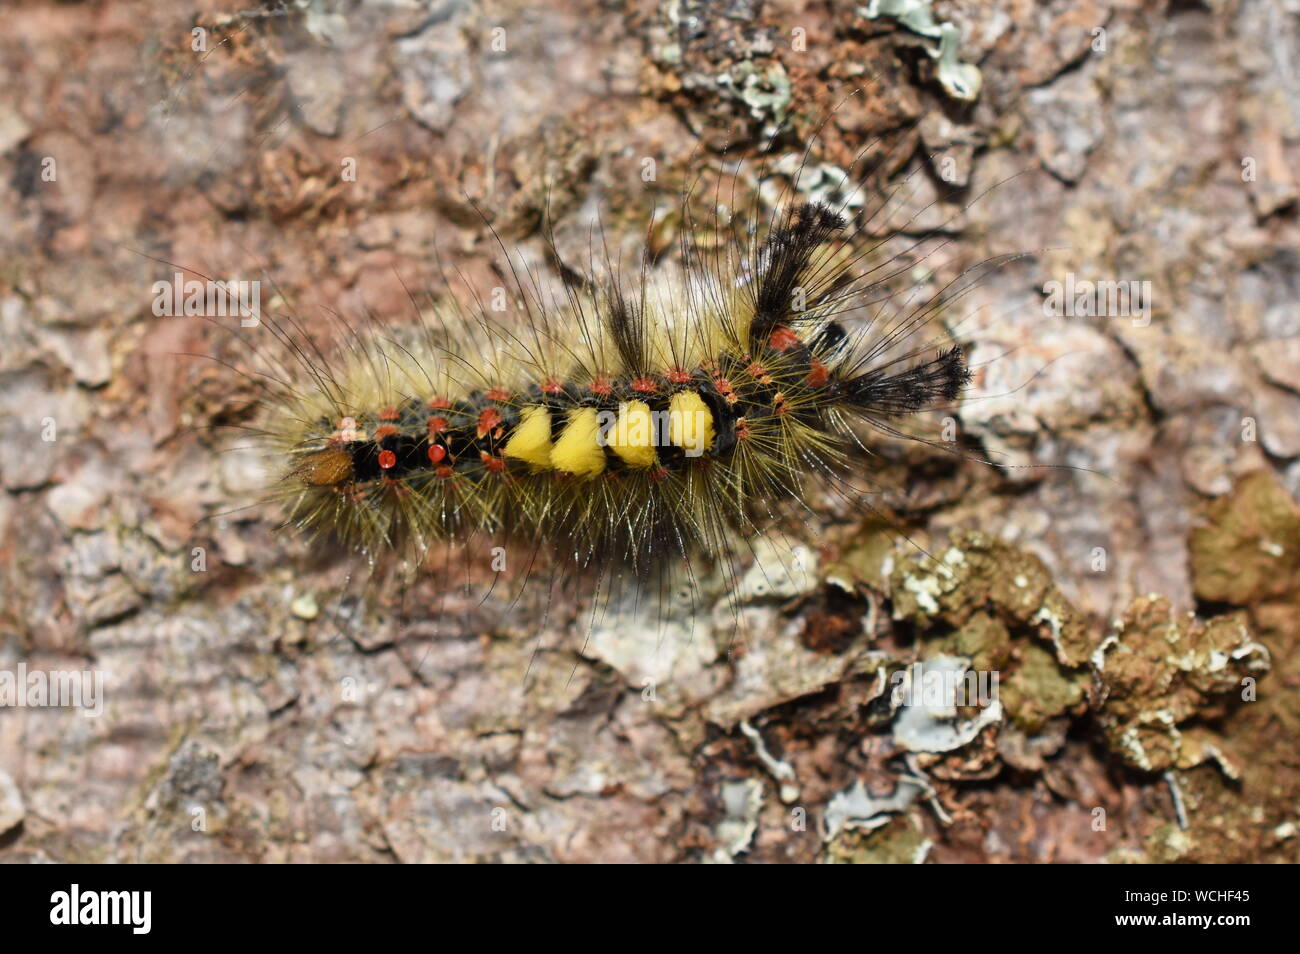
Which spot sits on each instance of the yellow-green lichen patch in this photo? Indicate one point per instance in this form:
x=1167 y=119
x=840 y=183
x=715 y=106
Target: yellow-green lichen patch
x=977 y=573
x=1040 y=688
x=1033 y=686
x=1158 y=670
x=900 y=841
x=869 y=559
x=1248 y=553
x=1007 y=617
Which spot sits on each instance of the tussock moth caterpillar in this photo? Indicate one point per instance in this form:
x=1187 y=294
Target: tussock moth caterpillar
x=626 y=422
x=615 y=428
x=624 y=425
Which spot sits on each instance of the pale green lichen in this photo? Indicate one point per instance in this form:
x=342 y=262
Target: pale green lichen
x=959 y=80
x=765 y=89
x=742 y=802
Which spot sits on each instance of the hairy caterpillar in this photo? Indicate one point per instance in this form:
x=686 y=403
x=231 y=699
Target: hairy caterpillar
x=627 y=423
x=663 y=417
x=617 y=428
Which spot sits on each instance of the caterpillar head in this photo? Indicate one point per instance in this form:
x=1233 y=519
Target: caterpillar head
x=328 y=468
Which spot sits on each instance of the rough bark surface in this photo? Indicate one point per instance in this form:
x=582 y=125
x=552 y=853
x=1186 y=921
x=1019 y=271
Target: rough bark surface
x=1124 y=140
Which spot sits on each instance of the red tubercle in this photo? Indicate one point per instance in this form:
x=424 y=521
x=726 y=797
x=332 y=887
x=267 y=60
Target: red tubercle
x=645 y=385
x=385 y=430
x=387 y=459
x=439 y=404
x=437 y=425
x=742 y=429
x=444 y=472
x=388 y=413
x=783 y=339
x=818 y=374
x=495 y=465
x=552 y=386
x=437 y=453
x=488 y=422
x=601 y=387
x=679 y=376
x=498 y=394
x=657 y=474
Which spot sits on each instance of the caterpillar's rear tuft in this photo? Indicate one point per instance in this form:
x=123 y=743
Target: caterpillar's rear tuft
x=941 y=379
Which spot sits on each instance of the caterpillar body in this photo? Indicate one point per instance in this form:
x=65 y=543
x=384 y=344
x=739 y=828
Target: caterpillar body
x=620 y=429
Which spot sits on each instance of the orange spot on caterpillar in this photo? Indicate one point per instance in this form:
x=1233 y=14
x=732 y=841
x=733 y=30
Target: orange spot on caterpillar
x=387 y=459
x=437 y=425
x=818 y=374
x=494 y=464
x=437 y=453
x=498 y=394
x=779 y=404
x=385 y=430
x=645 y=385
x=679 y=376
x=444 y=472
x=439 y=404
x=388 y=413
x=783 y=339
x=725 y=389
x=759 y=373
x=742 y=429
x=601 y=387
x=488 y=422
x=552 y=386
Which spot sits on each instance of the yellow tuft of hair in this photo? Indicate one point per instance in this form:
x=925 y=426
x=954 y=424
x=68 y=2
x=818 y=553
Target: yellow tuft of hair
x=578 y=451
x=690 y=423
x=632 y=438
x=531 y=440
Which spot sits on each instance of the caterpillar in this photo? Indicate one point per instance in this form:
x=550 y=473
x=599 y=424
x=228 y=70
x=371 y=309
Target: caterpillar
x=622 y=423
x=618 y=428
